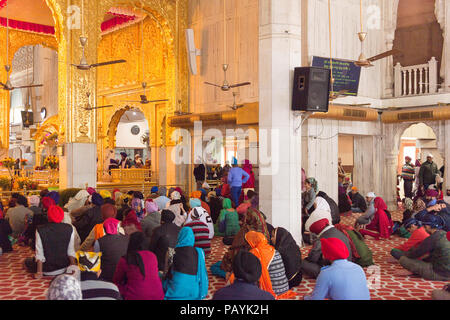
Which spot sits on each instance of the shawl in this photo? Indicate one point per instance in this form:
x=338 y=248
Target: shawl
x=289 y=251
x=265 y=253
x=188 y=270
x=343 y=229
x=381 y=222
x=313 y=183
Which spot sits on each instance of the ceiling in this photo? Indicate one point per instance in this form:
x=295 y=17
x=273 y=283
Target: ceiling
x=133 y=115
x=35 y=11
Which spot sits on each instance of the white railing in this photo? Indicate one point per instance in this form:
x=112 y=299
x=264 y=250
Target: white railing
x=416 y=80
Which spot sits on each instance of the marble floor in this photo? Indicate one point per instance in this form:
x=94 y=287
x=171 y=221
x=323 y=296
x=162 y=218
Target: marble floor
x=16 y=284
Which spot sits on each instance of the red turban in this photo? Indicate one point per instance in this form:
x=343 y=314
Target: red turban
x=108 y=211
x=318 y=226
x=91 y=191
x=47 y=202
x=448 y=236
x=334 y=249
x=55 y=214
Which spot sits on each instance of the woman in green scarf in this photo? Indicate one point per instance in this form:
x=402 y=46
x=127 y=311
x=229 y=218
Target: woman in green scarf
x=228 y=223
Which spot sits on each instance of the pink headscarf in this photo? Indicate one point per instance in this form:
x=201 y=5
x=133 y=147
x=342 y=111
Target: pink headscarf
x=111 y=226
x=150 y=206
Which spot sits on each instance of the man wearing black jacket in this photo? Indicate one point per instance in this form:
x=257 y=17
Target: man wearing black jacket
x=200 y=175
x=163 y=238
x=359 y=204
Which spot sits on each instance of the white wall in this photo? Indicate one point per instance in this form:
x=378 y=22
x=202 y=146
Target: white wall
x=124 y=137
x=345 y=18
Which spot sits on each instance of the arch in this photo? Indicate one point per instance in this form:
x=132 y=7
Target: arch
x=166 y=17
x=114 y=123
x=51 y=125
x=397 y=130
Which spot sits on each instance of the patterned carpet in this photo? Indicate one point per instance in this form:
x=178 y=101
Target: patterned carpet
x=17 y=284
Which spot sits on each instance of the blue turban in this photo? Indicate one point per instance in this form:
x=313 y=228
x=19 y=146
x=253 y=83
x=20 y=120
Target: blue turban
x=218 y=192
x=410 y=222
x=54 y=195
x=203 y=191
x=436 y=222
x=154 y=190
x=97 y=199
x=195 y=203
x=234 y=161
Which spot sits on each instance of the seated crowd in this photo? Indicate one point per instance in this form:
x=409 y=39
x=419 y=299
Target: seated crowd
x=124 y=245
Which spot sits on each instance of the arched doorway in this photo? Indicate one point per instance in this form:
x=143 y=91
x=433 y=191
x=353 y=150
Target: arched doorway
x=417 y=141
x=31 y=107
x=128 y=132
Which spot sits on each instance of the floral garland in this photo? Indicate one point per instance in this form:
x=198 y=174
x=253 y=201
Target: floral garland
x=51 y=162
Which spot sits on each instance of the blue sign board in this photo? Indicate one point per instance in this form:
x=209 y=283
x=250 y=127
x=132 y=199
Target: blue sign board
x=345 y=73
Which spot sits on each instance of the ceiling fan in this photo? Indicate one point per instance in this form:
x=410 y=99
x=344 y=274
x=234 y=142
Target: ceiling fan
x=367 y=63
x=144 y=99
x=84 y=65
x=179 y=112
x=235 y=106
x=89 y=107
x=226 y=86
x=362 y=60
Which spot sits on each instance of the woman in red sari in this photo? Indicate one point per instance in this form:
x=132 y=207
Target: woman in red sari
x=381 y=225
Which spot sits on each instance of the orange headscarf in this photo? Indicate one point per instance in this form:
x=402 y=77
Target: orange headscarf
x=196 y=194
x=265 y=253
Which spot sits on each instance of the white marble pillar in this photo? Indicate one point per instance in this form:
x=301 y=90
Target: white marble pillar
x=447 y=157
x=322 y=155
x=389 y=191
x=78 y=166
x=280 y=52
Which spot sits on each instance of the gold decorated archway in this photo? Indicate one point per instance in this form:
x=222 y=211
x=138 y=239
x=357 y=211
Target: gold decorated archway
x=50 y=126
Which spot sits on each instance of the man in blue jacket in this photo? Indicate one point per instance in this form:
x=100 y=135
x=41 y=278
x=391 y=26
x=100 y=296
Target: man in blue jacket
x=343 y=280
x=236 y=178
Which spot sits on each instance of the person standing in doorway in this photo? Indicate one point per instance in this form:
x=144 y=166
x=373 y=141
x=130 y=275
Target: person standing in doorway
x=408 y=172
x=200 y=175
x=236 y=178
x=427 y=173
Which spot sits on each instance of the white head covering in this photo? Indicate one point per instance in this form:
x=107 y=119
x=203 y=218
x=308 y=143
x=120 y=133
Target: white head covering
x=430 y=155
x=175 y=195
x=64 y=287
x=34 y=201
x=204 y=217
x=78 y=201
x=180 y=217
x=317 y=215
x=322 y=204
x=371 y=195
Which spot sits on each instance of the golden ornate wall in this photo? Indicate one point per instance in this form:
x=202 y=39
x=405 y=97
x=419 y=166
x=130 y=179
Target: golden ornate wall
x=165 y=58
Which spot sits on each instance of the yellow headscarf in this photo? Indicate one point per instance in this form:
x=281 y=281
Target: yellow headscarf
x=89 y=261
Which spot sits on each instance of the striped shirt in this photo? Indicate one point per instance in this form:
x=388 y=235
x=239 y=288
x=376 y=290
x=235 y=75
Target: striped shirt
x=201 y=233
x=408 y=172
x=277 y=273
x=94 y=289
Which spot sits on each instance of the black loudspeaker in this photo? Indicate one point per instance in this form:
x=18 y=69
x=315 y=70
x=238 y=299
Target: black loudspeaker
x=27 y=118
x=311 y=89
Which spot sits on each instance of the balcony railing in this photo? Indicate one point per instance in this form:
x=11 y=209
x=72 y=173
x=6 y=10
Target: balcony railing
x=416 y=80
